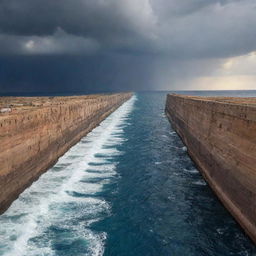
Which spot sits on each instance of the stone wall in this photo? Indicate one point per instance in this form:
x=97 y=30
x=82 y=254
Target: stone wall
x=33 y=138
x=220 y=134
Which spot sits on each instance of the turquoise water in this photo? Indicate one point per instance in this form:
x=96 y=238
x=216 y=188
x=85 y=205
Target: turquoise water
x=128 y=188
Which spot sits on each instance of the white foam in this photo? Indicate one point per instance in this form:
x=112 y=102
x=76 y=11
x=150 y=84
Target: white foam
x=200 y=183
x=184 y=148
x=191 y=170
x=50 y=200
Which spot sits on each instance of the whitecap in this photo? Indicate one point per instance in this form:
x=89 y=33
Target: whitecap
x=64 y=194
x=184 y=148
x=191 y=170
x=200 y=183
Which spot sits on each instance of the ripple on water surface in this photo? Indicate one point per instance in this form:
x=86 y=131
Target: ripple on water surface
x=54 y=215
x=127 y=189
x=163 y=207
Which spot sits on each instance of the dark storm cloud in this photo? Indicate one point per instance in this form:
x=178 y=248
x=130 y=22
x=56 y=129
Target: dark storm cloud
x=81 y=17
x=110 y=22
x=196 y=28
x=118 y=44
x=92 y=74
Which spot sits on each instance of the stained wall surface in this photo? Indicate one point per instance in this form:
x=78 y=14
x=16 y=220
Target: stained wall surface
x=37 y=131
x=220 y=134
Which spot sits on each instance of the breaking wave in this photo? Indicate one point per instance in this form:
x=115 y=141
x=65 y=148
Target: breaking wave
x=54 y=215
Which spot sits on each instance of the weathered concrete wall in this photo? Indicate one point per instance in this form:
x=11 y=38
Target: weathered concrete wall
x=220 y=134
x=33 y=138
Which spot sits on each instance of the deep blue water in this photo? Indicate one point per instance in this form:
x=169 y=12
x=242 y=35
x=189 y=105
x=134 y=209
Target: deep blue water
x=128 y=188
x=162 y=206
x=238 y=93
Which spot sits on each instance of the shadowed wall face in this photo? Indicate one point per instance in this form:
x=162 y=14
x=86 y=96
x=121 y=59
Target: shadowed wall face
x=220 y=136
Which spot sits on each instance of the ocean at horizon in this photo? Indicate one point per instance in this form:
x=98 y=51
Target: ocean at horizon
x=229 y=93
x=128 y=188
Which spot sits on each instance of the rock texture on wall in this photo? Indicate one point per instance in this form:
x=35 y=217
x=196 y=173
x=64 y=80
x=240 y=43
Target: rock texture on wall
x=220 y=134
x=38 y=130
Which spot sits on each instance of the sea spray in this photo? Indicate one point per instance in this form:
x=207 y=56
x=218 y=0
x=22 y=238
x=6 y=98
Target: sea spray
x=53 y=216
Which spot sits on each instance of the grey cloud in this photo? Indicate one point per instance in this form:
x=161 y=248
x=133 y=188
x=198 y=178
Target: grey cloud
x=58 y=43
x=191 y=29
x=119 y=44
x=97 y=18
x=98 y=73
x=168 y=9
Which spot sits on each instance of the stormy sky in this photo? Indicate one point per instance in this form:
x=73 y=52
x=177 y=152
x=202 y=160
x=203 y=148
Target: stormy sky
x=123 y=45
